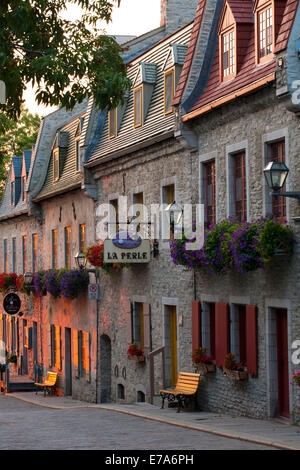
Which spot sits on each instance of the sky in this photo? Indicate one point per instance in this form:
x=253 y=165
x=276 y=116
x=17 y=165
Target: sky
x=133 y=17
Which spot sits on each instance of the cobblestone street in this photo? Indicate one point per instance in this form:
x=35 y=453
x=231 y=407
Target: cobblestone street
x=25 y=426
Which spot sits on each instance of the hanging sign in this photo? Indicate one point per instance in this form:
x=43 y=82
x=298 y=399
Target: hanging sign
x=11 y=303
x=127 y=248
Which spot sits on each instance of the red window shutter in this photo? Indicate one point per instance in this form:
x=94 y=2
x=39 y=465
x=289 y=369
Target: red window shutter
x=251 y=339
x=222 y=332
x=196 y=324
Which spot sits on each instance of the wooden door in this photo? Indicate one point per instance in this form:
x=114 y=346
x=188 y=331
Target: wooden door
x=173 y=338
x=282 y=363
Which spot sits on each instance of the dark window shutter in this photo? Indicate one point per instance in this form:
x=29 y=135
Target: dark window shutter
x=222 y=332
x=251 y=339
x=130 y=325
x=147 y=329
x=196 y=324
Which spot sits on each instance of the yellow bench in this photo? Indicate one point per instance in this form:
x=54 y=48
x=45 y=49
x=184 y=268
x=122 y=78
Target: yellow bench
x=49 y=385
x=186 y=386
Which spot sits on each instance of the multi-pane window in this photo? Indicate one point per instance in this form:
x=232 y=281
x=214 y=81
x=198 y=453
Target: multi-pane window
x=82 y=238
x=240 y=188
x=56 y=346
x=169 y=91
x=68 y=247
x=34 y=252
x=24 y=253
x=112 y=123
x=137 y=106
x=5 y=255
x=210 y=192
x=54 y=248
x=277 y=153
x=168 y=196
x=228 y=54
x=265 y=32
x=13 y=254
x=77 y=149
x=138 y=324
x=56 y=164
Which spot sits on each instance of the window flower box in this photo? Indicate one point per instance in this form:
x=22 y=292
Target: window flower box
x=233 y=370
x=202 y=362
x=236 y=374
x=135 y=353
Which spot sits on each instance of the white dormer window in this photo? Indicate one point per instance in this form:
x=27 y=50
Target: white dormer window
x=264 y=30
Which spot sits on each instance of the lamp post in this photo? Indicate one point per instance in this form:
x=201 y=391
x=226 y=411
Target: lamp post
x=175 y=212
x=276 y=174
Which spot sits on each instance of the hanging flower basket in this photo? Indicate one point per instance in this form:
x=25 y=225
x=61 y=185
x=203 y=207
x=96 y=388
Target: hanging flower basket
x=296 y=377
x=95 y=256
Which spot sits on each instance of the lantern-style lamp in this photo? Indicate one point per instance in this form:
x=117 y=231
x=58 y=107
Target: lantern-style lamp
x=80 y=260
x=175 y=211
x=276 y=174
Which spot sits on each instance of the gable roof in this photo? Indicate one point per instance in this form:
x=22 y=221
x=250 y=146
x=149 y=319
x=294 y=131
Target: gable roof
x=241 y=10
x=27 y=158
x=249 y=76
x=17 y=166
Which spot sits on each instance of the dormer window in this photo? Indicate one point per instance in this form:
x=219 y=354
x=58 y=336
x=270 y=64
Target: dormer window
x=228 y=55
x=264 y=31
x=112 y=123
x=227 y=45
x=56 y=164
x=137 y=106
x=169 y=91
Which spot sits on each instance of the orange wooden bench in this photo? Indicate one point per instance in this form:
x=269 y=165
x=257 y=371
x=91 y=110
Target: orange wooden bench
x=49 y=385
x=186 y=386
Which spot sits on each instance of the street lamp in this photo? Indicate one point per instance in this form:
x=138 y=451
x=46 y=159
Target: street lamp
x=276 y=174
x=80 y=260
x=175 y=211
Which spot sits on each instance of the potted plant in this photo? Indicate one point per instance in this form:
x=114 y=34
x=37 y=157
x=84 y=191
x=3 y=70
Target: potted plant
x=203 y=362
x=296 y=377
x=135 y=353
x=234 y=370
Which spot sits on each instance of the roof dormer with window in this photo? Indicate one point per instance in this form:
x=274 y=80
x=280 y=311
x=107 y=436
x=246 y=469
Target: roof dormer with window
x=142 y=92
x=235 y=29
x=58 y=153
x=172 y=70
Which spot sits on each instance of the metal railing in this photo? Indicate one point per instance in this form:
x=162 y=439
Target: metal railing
x=151 y=356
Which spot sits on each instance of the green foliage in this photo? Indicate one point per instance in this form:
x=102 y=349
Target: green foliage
x=19 y=135
x=67 y=60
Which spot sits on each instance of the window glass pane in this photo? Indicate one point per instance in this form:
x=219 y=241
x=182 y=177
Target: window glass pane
x=68 y=247
x=168 y=91
x=112 y=123
x=137 y=107
x=54 y=248
x=82 y=245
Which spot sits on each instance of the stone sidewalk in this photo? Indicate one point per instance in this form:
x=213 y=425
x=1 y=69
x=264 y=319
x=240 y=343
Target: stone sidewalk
x=272 y=433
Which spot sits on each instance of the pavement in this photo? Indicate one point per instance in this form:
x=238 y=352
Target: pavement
x=273 y=433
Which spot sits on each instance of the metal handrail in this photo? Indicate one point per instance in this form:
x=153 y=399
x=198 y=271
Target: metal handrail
x=151 y=356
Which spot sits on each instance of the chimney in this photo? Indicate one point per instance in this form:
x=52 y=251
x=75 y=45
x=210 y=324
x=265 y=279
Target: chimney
x=176 y=13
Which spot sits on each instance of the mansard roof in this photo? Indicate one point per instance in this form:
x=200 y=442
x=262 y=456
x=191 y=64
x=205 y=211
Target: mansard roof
x=147 y=68
x=249 y=76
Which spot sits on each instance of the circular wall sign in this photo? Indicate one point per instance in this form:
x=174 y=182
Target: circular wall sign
x=11 y=303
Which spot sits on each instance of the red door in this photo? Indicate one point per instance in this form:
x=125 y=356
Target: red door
x=283 y=364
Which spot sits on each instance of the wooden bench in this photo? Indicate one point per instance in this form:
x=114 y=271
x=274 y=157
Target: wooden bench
x=49 y=385
x=186 y=387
